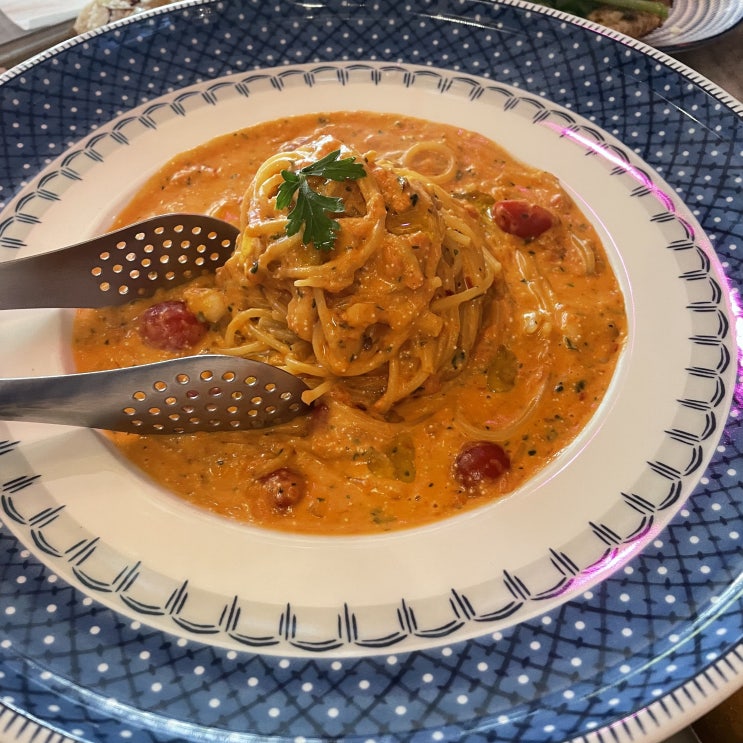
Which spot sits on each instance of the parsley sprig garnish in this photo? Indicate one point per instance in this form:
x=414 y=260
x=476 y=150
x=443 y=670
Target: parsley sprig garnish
x=311 y=208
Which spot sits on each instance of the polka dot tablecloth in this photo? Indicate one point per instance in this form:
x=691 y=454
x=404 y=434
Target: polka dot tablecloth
x=630 y=659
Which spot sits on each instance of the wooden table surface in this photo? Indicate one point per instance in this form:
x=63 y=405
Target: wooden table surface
x=720 y=62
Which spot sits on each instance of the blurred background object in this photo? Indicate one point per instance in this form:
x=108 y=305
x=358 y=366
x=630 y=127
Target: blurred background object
x=29 y=15
x=28 y=27
x=102 y=12
x=723 y=724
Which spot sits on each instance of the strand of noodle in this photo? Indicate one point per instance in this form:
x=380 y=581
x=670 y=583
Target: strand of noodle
x=309 y=396
x=276 y=249
x=410 y=261
x=426 y=361
x=507 y=431
x=453 y=300
x=586 y=252
x=454 y=261
x=461 y=234
x=268 y=175
x=447 y=347
x=320 y=342
x=278 y=303
x=471 y=315
x=550 y=301
x=456 y=238
x=269 y=185
x=495 y=265
x=435 y=147
x=457 y=230
x=323 y=346
x=247 y=349
x=397 y=388
x=391 y=394
x=241 y=320
x=491 y=267
x=268 y=227
x=430 y=323
x=282 y=333
x=364 y=365
x=242 y=324
x=453 y=220
x=270 y=340
x=445 y=303
x=452 y=205
x=361 y=365
x=258 y=193
x=393 y=380
x=302 y=367
x=479 y=276
x=254 y=313
x=235 y=327
x=528 y=273
x=400 y=391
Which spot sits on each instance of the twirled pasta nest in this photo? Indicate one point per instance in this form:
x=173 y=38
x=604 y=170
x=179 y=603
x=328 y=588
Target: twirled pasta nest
x=387 y=310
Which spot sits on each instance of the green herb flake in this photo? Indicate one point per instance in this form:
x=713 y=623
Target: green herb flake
x=378 y=516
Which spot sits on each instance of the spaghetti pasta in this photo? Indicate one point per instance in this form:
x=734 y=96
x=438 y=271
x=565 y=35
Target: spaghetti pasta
x=397 y=299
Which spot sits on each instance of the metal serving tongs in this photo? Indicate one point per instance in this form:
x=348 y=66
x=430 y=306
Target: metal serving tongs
x=206 y=392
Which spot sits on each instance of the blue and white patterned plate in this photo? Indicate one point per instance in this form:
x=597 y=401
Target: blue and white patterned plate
x=625 y=614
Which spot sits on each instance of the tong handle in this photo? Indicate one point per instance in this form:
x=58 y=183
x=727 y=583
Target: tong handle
x=119 y=266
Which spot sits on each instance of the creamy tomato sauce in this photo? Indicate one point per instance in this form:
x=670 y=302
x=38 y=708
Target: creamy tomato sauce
x=550 y=339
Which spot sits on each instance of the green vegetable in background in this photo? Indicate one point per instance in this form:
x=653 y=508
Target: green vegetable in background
x=584 y=7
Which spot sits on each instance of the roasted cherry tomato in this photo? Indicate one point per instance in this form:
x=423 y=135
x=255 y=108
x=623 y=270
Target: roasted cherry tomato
x=521 y=218
x=481 y=461
x=171 y=326
x=284 y=488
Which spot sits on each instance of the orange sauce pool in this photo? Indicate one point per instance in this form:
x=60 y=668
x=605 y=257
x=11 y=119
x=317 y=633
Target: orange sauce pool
x=544 y=358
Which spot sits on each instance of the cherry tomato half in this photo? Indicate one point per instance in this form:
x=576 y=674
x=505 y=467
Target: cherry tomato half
x=521 y=218
x=480 y=461
x=170 y=326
